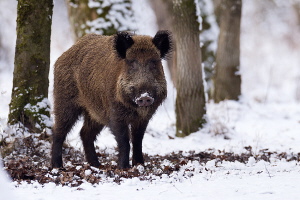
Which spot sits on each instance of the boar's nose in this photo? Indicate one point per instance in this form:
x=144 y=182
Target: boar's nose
x=144 y=100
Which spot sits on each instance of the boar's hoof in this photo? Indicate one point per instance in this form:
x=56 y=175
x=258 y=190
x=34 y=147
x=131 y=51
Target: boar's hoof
x=144 y=101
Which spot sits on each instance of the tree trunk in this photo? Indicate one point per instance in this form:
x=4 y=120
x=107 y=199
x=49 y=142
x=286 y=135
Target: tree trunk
x=79 y=14
x=227 y=78
x=103 y=17
x=29 y=104
x=164 y=20
x=190 y=100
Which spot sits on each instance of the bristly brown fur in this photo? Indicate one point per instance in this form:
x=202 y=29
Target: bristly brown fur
x=100 y=77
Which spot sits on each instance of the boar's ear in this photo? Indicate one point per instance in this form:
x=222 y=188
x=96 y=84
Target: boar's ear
x=163 y=41
x=123 y=41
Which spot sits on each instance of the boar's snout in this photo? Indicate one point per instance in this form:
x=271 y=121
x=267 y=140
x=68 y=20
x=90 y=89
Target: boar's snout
x=144 y=100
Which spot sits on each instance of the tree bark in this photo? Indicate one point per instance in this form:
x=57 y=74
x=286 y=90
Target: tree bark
x=102 y=16
x=164 y=19
x=227 y=78
x=190 y=100
x=32 y=60
x=79 y=14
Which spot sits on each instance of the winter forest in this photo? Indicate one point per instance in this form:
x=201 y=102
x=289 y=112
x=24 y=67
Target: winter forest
x=228 y=128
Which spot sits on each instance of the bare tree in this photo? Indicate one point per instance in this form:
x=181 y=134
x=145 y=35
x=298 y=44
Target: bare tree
x=32 y=60
x=227 y=79
x=164 y=18
x=190 y=100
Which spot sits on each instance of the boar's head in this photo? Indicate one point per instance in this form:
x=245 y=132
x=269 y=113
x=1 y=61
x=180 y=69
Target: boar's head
x=141 y=83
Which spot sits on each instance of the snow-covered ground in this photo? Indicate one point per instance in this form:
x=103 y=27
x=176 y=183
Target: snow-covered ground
x=267 y=117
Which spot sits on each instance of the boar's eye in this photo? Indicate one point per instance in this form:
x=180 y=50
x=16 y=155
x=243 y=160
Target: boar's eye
x=132 y=64
x=152 y=64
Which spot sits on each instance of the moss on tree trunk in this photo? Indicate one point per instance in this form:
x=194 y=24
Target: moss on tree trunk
x=32 y=60
x=190 y=100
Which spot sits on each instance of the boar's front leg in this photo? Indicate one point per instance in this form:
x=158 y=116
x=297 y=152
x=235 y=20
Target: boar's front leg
x=121 y=133
x=66 y=116
x=88 y=135
x=137 y=131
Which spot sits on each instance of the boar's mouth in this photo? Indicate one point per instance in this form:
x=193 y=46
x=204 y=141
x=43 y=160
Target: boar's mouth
x=144 y=100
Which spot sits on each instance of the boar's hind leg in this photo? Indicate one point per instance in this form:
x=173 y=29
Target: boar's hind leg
x=64 y=121
x=137 y=132
x=121 y=133
x=88 y=135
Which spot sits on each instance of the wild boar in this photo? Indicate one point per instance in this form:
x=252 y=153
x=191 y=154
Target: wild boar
x=115 y=81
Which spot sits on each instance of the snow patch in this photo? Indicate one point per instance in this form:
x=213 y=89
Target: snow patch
x=145 y=94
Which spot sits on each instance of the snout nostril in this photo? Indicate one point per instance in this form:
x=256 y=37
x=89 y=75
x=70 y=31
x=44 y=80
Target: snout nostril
x=145 y=101
x=140 y=101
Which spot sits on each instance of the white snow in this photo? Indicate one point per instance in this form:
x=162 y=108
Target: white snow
x=266 y=117
x=118 y=16
x=5 y=190
x=88 y=172
x=145 y=94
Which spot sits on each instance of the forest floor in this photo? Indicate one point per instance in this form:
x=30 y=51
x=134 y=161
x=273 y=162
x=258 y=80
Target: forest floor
x=31 y=164
x=201 y=166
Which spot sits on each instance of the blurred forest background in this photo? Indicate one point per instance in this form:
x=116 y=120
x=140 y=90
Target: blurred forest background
x=222 y=50
x=235 y=70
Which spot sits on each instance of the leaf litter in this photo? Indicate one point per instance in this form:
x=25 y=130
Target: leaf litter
x=32 y=164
